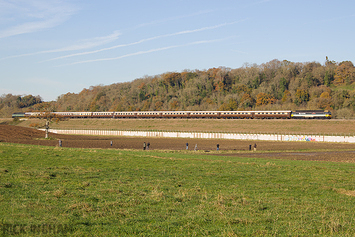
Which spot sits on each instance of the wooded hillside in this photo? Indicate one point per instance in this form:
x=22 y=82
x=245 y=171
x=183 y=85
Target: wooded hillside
x=274 y=85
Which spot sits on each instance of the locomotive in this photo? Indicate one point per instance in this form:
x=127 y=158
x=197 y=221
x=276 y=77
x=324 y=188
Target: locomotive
x=279 y=114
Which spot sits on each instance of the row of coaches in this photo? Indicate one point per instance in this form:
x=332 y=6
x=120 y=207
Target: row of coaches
x=283 y=114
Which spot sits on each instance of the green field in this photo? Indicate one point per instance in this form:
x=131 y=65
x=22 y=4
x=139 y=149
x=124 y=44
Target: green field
x=159 y=193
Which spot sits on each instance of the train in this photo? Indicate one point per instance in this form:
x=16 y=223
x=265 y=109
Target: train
x=279 y=114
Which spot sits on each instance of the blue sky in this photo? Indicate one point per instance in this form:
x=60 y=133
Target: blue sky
x=51 y=47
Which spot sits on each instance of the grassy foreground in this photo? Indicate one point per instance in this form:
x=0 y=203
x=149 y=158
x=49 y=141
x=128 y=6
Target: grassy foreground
x=158 y=193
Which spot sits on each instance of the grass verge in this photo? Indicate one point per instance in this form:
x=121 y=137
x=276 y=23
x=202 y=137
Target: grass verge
x=156 y=193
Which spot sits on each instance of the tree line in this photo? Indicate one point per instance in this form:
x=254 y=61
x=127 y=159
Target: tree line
x=275 y=85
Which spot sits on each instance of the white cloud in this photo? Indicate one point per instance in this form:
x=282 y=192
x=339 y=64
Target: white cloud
x=84 y=44
x=88 y=43
x=147 y=51
x=145 y=40
x=28 y=16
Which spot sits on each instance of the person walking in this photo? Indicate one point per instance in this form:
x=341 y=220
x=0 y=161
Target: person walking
x=148 y=144
x=144 y=146
x=60 y=143
x=111 y=143
x=255 y=147
x=217 y=147
x=187 y=146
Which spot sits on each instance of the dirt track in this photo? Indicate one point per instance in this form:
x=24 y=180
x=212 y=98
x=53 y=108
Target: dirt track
x=278 y=150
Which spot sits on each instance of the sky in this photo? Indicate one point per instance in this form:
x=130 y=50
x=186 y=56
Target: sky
x=52 y=47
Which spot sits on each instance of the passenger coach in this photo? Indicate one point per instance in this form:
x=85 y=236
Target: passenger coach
x=280 y=114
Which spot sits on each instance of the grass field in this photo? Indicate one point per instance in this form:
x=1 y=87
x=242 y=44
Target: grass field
x=208 y=125
x=159 y=193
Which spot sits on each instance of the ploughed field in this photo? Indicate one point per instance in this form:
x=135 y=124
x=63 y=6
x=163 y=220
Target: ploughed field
x=337 y=152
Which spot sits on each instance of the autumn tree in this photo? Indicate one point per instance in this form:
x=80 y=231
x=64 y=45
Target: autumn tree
x=341 y=98
x=264 y=99
x=231 y=105
x=28 y=100
x=286 y=96
x=246 y=101
x=344 y=73
x=324 y=101
x=301 y=96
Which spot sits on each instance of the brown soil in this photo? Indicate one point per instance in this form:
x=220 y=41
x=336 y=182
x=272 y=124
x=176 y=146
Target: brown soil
x=338 y=152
